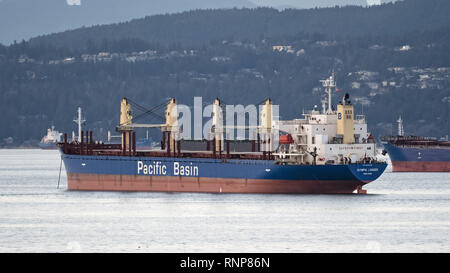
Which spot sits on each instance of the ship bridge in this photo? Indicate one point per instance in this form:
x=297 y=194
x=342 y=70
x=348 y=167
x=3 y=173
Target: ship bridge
x=328 y=136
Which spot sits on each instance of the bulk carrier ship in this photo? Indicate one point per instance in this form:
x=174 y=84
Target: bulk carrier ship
x=416 y=154
x=326 y=151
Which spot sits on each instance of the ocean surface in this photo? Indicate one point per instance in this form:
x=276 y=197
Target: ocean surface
x=402 y=212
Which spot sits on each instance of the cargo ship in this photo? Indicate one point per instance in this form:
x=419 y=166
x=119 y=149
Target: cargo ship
x=325 y=152
x=415 y=153
x=49 y=141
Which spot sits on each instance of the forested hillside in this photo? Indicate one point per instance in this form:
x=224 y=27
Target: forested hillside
x=201 y=26
x=22 y=19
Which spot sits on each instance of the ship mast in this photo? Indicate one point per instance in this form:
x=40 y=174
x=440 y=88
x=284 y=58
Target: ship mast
x=329 y=84
x=401 y=132
x=79 y=121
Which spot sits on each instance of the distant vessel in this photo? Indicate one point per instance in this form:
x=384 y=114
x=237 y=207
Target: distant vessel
x=324 y=152
x=417 y=154
x=48 y=142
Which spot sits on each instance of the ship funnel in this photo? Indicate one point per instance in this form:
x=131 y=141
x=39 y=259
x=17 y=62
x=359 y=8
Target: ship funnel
x=345 y=122
x=345 y=99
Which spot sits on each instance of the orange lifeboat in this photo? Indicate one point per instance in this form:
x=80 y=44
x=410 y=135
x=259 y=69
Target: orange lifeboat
x=286 y=139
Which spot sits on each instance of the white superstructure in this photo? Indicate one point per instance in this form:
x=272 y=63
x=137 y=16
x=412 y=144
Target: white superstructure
x=327 y=137
x=52 y=136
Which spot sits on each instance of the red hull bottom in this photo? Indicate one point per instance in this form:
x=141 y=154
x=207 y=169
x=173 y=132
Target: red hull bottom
x=418 y=166
x=106 y=182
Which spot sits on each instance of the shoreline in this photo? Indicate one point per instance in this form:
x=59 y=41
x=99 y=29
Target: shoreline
x=20 y=148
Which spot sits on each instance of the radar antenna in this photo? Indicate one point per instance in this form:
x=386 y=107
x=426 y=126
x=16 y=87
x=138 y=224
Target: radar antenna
x=329 y=84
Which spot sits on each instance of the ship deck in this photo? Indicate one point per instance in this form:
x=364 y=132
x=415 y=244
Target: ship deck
x=415 y=142
x=115 y=150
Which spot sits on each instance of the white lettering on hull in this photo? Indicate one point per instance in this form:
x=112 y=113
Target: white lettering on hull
x=158 y=168
x=155 y=168
x=187 y=170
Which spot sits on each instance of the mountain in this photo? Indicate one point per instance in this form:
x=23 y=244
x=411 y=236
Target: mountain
x=31 y=18
x=307 y=4
x=201 y=26
x=22 y=19
x=393 y=59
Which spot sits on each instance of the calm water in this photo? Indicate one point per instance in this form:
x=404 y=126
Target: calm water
x=402 y=212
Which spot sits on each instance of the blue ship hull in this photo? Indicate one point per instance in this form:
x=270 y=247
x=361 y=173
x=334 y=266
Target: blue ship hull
x=418 y=159
x=125 y=173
